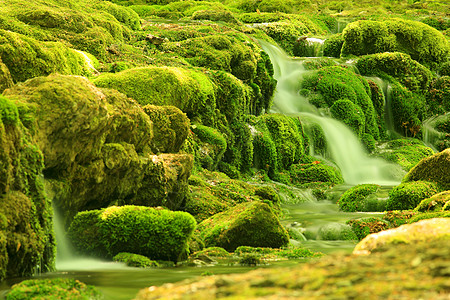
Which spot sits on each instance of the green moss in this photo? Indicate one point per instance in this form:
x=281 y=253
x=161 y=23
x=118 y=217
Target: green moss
x=9 y=114
x=271 y=253
x=162 y=234
x=407 y=71
x=26 y=57
x=434 y=169
x=215 y=15
x=59 y=288
x=335 y=83
x=314 y=172
x=350 y=114
x=212 y=146
x=438 y=95
x=354 y=198
x=365 y=226
x=409 y=194
x=424 y=43
x=429 y=215
x=212 y=252
x=434 y=203
x=398 y=217
x=248 y=224
x=135 y=260
x=336 y=232
x=332 y=46
x=124 y=15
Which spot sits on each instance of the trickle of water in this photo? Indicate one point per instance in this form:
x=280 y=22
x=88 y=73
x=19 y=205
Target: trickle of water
x=343 y=146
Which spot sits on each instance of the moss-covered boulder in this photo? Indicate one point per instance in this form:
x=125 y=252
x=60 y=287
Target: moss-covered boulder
x=249 y=224
x=337 y=83
x=437 y=202
x=422 y=231
x=62 y=288
x=6 y=80
x=424 y=43
x=350 y=114
x=364 y=226
x=357 y=198
x=135 y=260
x=434 y=169
x=405 y=152
x=438 y=95
x=97 y=145
x=170 y=128
x=409 y=194
x=332 y=46
x=157 y=233
x=26 y=231
x=315 y=172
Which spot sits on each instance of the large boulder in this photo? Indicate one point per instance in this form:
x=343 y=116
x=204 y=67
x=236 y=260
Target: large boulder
x=434 y=168
x=248 y=224
x=422 y=231
x=157 y=233
x=97 y=146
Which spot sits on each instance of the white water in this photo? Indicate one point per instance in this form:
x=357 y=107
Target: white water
x=343 y=146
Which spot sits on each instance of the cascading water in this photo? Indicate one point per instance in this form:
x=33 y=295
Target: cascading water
x=343 y=146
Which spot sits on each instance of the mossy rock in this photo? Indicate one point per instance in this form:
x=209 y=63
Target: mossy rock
x=215 y=15
x=212 y=146
x=350 y=114
x=332 y=46
x=354 y=199
x=424 y=43
x=163 y=234
x=364 y=226
x=429 y=215
x=135 y=260
x=212 y=252
x=6 y=80
x=434 y=169
x=247 y=224
x=189 y=90
x=170 y=128
x=409 y=194
x=405 y=152
x=398 y=65
x=314 y=172
x=336 y=232
x=62 y=288
x=422 y=231
x=335 y=83
x=438 y=95
x=435 y=203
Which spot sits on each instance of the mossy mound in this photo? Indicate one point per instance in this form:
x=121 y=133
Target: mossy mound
x=407 y=71
x=438 y=95
x=335 y=83
x=26 y=57
x=26 y=231
x=437 y=202
x=248 y=224
x=266 y=253
x=315 y=172
x=365 y=226
x=355 y=198
x=350 y=114
x=434 y=169
x=409 y=194
x=135 y=260
x=422 y=231
x=190 y=91
x=336 y=232
x=59 y=288
x=330 y=277
x=97 y=145
x=332 y=46
x=156 y=233
x=424 y=43
x=405 y=152
x=170 y=128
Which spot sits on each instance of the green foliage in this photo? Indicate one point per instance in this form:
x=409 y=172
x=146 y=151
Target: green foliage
x=315 y=172
x=336 y=83
x=425 y=44
x=350 y=114
x=53 y=289
x=247 y=224
x=354 y=198
x=435 y=203
x=332 y=46
x=159 y=234
x=135 y=260
x=409 y=194
x=438 y=95
x=407 y=71
x=365 y=226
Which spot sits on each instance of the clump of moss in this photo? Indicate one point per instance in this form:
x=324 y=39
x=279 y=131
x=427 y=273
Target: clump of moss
x=215 y=15
x=332 y=46
x=59 y=288
x=212 y=252
x=163 y=234
x=135 y=260
x=424 y=43
x=276 y=253
x=354 y=198
x=409 y=194
x=438 y=95
x=315 y=172
x=407 y=71
x=429 y=215
x=435 y=203
x=335 y=83
x=350 y=114
x=247 y=224
x=365 y=226
x=336 y=232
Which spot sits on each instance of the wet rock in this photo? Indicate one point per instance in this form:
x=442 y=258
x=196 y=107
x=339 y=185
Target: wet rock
x=422 y=231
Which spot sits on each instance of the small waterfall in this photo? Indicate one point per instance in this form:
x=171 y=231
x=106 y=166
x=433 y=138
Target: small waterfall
x=430 y=134
x=343 y=146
